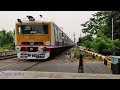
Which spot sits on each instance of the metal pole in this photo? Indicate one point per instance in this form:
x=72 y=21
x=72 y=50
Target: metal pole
x=74 y=39
x=112 y=28
x=81 y=68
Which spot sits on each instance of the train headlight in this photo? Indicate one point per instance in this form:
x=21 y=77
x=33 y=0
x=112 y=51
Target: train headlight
x=17 y=48
x=41 y=49
x=47 y=42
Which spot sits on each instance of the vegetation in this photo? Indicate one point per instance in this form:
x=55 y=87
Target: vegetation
x=77 y=53
x=99 y=33
x=6 y=40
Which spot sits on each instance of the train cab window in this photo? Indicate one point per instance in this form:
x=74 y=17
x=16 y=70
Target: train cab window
x=24 y=29
x=41 y=29
x=19 y=30
x=33 y=29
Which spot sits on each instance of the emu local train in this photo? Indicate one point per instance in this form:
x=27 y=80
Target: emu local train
x=39 y=39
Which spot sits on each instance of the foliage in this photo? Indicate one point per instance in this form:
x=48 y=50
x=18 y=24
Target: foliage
x=117 y=47
x=104 y=19
x=85 y=41
x=100 y=26
x=6 y=40
x=77 y=52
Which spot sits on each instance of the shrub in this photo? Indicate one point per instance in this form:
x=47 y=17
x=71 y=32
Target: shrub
x=77 y=53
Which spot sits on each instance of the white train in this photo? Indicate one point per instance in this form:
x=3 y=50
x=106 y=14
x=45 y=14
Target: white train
x=39 y=39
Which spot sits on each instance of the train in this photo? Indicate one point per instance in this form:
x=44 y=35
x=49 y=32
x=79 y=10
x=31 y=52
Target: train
x=39 y=39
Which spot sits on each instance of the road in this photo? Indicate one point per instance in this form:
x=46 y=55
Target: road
x=94 y=67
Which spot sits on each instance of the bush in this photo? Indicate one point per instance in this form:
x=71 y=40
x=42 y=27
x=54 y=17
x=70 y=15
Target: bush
x=77 y=53
x=104 y=46
x=6 y=40
x=117 y=47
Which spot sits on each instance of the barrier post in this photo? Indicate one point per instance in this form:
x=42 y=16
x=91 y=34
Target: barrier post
x=80 y=68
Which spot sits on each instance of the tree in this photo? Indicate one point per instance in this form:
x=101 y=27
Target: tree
x=6 y=39
x=100 y=25
x=104 y=19
x=85 y=41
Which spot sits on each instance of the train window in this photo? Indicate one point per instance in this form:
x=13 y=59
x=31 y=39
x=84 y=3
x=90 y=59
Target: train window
x=33 y=29
x=40 y=29
x=27 y=29
x=60 y=35
x=21 y=29
x=56 y=32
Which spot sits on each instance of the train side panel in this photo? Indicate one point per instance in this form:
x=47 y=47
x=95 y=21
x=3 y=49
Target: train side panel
x=52 y=35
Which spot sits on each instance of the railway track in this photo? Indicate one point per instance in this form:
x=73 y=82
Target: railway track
x=57 y=64
x=12 y=63
x=24 y=65
x=53 y=58
x=32 y=66
x=7 y=55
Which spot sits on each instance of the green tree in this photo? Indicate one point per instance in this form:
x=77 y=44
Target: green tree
x=6 y=39
x=100 y=25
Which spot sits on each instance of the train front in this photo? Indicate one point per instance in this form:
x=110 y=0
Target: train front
x=32 y=40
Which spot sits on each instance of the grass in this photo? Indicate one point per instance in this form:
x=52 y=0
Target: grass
x=2 y=49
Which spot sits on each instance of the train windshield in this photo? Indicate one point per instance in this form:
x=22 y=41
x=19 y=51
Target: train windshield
x=33 y=29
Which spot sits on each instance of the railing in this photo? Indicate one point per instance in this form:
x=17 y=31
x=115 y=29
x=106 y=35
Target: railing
x=107 y=61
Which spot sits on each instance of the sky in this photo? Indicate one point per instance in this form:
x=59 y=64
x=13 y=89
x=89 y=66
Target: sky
x=70 y=20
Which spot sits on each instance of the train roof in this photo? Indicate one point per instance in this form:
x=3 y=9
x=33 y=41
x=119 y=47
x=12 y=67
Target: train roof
x=26 y=20
x=36 y=22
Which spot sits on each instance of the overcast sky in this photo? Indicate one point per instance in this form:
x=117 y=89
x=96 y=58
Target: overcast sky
x=69 y=20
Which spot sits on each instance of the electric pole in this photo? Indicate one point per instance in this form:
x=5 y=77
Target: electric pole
x=74 y=39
